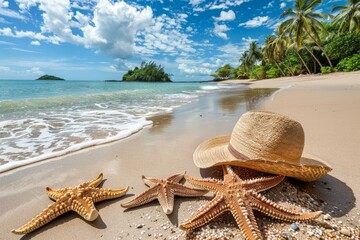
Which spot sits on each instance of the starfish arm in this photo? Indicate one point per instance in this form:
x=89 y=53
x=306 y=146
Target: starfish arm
x=166 y=199
x=207 y=183
x=93 y=183
x=145 y=197
x=150 y=182
x=184 y=191
x=275 y=210
x=245 y=219
x=262 y=184
x=176 y=177
x=51 y=212
x=56 y=194
x=84 y=206
x=100 y=194
x=205 y=214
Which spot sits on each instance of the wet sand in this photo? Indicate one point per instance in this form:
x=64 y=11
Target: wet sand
x=159 y=151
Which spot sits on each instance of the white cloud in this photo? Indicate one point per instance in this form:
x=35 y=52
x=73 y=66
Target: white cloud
x=22 y=50
x=25 y=5
x=193 y=70
x=3 y=20
x=4 y=4
x=114 y=28
x=220 y=30
x=216 y=64
x=255 y=22
x=111 y=28
x=282 y=5
x=196 y=2
x=4 y=69
x=189 y=29
x=4 y=11
x=7 y=43
x=230 y=53
x=35 y=43
x=220 y=6
x=269 y=5
x=224 y=4
x=35 y=71
x=165 y=35
x=226 y=16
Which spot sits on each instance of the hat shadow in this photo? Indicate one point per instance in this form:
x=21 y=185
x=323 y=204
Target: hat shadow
x=325 y=191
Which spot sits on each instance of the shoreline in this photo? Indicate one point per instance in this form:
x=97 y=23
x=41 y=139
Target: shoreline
x=167 y=147
x=178 y=132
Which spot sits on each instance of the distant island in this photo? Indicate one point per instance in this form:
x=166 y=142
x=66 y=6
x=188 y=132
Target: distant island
x=49 y=77
x=147 y=72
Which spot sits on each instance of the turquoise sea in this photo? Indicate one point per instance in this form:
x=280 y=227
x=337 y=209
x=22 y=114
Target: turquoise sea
x=44 y=119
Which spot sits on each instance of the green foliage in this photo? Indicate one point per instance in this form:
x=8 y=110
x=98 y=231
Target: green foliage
x=239 y=73
x=343 y=46
x=273 y=72
x=259 y=72
x=292 y=62
x=349 y=64
x=326 y=69
x=49 y=77
x=148 y=72
x=224 y=72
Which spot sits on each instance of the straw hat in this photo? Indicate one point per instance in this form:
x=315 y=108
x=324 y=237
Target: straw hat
x=264 y=141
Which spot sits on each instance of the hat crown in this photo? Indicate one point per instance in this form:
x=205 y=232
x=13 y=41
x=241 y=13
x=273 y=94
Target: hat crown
x=268 y=136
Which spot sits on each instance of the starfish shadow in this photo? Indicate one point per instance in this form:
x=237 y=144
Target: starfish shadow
x=174 y=216
x=153 y=203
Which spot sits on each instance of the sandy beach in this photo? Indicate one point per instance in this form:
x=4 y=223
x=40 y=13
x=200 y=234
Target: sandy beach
x=326 y=105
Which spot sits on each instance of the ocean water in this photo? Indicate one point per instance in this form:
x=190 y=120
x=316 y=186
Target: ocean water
x=44 y=119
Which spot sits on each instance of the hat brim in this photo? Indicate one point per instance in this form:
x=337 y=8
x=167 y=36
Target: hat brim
x=215 y=152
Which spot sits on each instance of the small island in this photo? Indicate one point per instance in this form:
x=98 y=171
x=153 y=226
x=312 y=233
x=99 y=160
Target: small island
x=50 y=77
x=147 y=72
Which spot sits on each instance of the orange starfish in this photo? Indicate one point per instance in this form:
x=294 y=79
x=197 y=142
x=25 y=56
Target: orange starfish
x=79 y=199
x=240 y=197
x=164 y=190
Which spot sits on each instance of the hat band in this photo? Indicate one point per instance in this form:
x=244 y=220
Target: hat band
x=236 y=154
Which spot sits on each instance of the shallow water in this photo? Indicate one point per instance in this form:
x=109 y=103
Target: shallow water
x=44 y=119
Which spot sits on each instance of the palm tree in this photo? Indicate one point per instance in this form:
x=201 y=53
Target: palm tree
x=309 y=47
x=246 y=61
x=348 y=17
x=304 y=21
x=254 y=52
x=292 y=46
x=280 y=48
x=269 y=53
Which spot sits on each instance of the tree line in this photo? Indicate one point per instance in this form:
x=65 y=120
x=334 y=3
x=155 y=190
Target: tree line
x=305 y=42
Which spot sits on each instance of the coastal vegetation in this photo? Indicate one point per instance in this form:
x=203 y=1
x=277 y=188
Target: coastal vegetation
x=305 y=42
x=49 y=77
x=147 y=72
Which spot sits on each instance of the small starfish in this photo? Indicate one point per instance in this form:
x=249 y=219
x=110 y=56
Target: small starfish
x=164 y=190
x=240 y=197
x=79 y=199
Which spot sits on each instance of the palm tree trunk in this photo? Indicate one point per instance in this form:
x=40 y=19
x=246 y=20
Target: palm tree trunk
x=282 y=72
x=312 y=54
x=289 y=69
x=321 y=48
x=303 y=62
x=314 y=66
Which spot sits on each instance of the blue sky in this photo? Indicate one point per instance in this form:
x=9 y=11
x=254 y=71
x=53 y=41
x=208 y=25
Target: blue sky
x=102 y=39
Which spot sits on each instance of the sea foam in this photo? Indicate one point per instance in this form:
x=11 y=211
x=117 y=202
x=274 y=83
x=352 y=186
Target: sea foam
x=35 y=129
